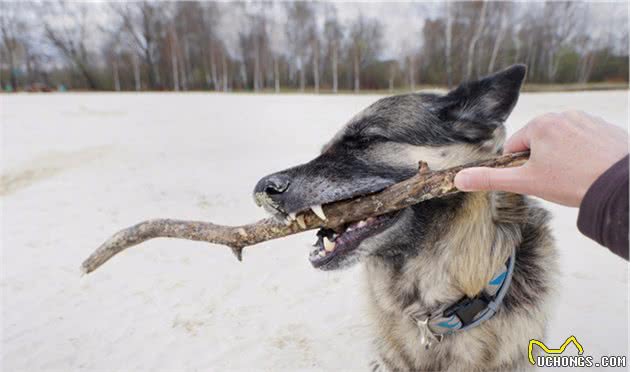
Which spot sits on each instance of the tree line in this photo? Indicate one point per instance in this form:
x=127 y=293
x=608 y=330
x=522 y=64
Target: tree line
x=303 y=46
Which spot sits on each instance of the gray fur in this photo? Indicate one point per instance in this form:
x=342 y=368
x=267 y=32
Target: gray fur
x=435 y=252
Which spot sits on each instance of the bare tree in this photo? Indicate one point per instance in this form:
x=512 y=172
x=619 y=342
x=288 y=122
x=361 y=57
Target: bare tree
x=411 y=69
x=254 y=45
x=211 y=15
x=12 y=29
x=113 y=49
x=277 y=44
x=449 y=39
x=70 y=39
x=392 y=76
x=315 y=49
x=136 y=72
x=475 y=38
x=142 y=23
x=333 y=34
x=560 y=24
x=503 y=12
x=173 y=51
x=300 y=16
x=365 y=43
x=112 y=54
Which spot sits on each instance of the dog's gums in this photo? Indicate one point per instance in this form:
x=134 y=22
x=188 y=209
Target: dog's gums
x=331 y=244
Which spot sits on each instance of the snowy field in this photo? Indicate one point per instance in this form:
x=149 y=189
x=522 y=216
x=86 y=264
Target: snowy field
x=78 y=167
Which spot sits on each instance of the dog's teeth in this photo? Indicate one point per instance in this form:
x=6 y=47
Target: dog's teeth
x=370 y=219
x=317 y=209
x=287 y=221
x=361 y=224
x=322 y=254
x=328 y=245
x=292 y=216
x=300 y=221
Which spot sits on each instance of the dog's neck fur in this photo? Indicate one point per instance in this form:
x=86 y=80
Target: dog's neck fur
x=479 y=244
x=479 y=239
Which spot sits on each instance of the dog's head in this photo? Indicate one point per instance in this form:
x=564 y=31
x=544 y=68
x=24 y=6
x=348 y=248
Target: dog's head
x=382 y=145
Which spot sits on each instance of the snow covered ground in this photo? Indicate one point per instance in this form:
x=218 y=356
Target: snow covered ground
x=78 y=167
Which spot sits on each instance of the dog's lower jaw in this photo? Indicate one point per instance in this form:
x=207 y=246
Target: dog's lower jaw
x=400 y=284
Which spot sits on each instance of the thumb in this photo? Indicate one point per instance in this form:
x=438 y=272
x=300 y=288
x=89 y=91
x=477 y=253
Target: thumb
x=486 y=179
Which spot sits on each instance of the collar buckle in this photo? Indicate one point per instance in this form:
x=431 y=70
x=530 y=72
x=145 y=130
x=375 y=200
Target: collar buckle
x=468 y=312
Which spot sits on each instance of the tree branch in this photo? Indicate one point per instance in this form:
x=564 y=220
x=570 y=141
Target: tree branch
x=423 y=186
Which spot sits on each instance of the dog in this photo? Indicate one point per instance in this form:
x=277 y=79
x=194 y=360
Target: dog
x=430 y=268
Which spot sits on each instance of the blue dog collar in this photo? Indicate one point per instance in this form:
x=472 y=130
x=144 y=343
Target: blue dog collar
x=467 y=312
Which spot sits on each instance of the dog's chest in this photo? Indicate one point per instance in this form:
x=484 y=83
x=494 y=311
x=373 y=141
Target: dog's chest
x=399 y=300
x=418 y=287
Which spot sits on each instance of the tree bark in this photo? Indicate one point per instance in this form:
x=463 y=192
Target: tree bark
x=149 y=59
x=357 y=77
x=302 y=77
x=256 y=65
x=136 y=72
x=391 y=77
x=181 y=62
x=244 y=77
x=276 y=75
x=213 y=70
x=175 y=70
x=209 y=82
x=116 y=75
x=187 y=68
x=316 y=65
x=225 y=71
x=410 y=71
x=423 y=186
x=334 y=68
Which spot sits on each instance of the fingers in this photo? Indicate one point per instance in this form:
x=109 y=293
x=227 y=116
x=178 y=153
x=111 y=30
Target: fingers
x=523 y=138
x=487 y=179
x=518 y=142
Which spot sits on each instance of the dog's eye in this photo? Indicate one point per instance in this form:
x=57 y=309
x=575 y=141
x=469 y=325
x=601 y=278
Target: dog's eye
x=363 y=141
x=372 y=140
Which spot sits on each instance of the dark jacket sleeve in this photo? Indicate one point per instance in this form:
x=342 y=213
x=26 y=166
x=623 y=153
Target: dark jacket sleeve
x=603 y=214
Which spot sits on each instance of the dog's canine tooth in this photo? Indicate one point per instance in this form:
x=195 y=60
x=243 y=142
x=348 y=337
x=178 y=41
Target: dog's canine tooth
x=317 y=209
x=300 y=221
x=328 y=245
x=292 y=216
x=361 y=224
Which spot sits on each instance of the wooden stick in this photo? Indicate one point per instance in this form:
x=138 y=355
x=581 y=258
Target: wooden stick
x=423 y=186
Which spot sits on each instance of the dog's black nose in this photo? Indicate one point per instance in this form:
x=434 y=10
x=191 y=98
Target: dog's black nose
x=274 y=184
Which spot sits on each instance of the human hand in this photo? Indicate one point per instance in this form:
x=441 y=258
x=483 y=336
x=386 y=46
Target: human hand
x=569 y=151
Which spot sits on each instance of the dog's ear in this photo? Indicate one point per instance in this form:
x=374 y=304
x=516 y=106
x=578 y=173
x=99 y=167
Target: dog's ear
x=477 y=108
